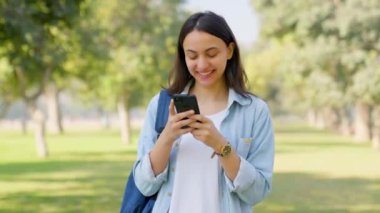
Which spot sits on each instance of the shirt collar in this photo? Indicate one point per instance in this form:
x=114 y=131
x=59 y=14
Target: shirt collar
x=233 y=96
x=187 y=88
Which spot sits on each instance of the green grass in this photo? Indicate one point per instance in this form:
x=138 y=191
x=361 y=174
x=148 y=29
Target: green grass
x=318 y=171
x=85 y=172
x=315 y=171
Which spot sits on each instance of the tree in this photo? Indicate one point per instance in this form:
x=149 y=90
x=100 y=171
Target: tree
x=261 y=66
x=333 y=40
x=138 y=38
x=6 y=93
x=29 y=35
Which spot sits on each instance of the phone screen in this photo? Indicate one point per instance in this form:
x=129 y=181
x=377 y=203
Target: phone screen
x=183 y=102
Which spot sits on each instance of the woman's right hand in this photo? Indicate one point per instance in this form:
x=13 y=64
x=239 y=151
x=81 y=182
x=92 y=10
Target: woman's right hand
x=176 y=121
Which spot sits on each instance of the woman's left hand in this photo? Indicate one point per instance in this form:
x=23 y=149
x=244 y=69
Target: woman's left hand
x=205 y=131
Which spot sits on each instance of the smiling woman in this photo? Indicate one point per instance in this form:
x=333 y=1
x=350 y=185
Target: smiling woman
x=206 y=57
x=179 y=163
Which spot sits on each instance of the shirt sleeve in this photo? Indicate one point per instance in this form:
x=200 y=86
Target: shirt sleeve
x=145 y=180
x=254 y=179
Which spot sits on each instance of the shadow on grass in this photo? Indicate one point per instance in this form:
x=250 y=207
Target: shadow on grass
x=101 y=191
x=301 y=192
x=69 y=162
x=65 y=186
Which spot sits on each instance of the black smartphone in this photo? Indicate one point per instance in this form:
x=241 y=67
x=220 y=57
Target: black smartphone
x=183 y=102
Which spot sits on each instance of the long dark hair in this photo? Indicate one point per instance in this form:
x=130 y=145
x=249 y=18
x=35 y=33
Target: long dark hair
x=216 y=25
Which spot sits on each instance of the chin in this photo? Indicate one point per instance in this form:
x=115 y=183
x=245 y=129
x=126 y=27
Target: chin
x=205 y=82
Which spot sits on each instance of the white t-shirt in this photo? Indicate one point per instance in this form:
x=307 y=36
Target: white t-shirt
x=196 y=187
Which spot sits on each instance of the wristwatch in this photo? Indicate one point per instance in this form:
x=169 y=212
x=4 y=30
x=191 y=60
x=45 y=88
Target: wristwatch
x=225 y=150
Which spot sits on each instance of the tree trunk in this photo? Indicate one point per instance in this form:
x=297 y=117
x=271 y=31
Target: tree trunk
x=124 y=120
x=106 y=123
x=4 y=106
x=24 y=125
x=103 y=117
x=37 y=115
x=331 y=118
x=376 y=128
x=345 y=125
x=362 y=122
x=53 y=107
x=320 y=121
x=38 y=119
x=312 y=117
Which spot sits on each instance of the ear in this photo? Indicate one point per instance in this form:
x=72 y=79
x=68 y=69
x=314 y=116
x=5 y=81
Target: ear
x=230 y=50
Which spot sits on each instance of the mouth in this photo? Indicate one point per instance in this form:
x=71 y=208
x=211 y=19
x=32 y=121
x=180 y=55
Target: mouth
x=205 y=74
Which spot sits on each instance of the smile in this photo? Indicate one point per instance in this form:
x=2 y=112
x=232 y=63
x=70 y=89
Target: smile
x=205 y=74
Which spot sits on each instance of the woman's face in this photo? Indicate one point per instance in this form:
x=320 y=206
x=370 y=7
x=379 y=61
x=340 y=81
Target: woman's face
x=206 y=57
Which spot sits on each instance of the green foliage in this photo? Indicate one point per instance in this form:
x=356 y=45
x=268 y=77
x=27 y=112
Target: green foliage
x=261 y=67
x=128 y=47
x=101 y=49
x=335 y=49
x=366 y=83
x=33 y=37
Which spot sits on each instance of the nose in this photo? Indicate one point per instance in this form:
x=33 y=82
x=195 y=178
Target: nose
x=202 y=64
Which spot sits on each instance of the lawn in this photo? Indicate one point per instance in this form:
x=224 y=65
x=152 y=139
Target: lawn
x=85 y=172
x=319 y=171
x=315 y=171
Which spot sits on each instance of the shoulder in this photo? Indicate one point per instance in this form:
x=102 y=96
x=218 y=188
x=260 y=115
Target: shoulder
x=154 y=100
x=152 y=105
x=256 y=105
x=253 y=101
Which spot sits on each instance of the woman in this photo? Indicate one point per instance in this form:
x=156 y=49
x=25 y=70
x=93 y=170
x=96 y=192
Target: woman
x=223 y=160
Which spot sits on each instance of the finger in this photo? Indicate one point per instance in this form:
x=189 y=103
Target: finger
x=185 y=122
x=184 y=115
x=195 y=124
x=199 y=118
x=171 y=108
x=186 y=130
x=197 y=133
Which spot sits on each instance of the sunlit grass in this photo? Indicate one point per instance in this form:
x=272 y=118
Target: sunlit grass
x=315 y=171
x=319 y=171
x=85 y=172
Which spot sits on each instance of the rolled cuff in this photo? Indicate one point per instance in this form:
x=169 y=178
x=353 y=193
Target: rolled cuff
x=146 y=181
x=244 y=178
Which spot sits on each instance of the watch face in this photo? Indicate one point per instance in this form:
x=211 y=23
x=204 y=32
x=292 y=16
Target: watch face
x=226 y=150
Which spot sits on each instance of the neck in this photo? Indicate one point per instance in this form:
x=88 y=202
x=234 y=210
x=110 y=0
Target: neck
x=217 y=92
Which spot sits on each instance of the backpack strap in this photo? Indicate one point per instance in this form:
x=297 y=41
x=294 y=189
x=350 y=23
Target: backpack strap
x=162 y=110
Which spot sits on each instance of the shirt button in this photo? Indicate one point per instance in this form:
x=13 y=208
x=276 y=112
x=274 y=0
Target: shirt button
x=169 y=194
x=172 y=169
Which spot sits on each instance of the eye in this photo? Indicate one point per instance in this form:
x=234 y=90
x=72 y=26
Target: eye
x=191 y=56
x=212 y=53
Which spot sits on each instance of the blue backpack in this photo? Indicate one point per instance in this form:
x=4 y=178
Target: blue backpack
x=133 y=200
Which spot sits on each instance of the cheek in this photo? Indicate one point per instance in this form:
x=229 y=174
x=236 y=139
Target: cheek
x=190 y=64
x=221 y=63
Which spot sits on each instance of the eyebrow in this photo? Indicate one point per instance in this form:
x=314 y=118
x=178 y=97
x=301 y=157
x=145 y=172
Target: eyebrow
x=208 y=49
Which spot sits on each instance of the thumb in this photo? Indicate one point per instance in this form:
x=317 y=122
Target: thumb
x=171 y=108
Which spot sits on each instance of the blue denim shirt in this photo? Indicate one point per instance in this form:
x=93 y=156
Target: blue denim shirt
x=248 y=128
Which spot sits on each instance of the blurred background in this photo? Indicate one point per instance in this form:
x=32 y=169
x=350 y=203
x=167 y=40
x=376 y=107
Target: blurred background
x=76 y=77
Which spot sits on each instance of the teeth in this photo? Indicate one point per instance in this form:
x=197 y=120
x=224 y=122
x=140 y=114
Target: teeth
x=205 y=74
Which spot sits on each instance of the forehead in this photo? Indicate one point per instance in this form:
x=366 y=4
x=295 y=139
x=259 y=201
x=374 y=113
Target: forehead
x=199 y=40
